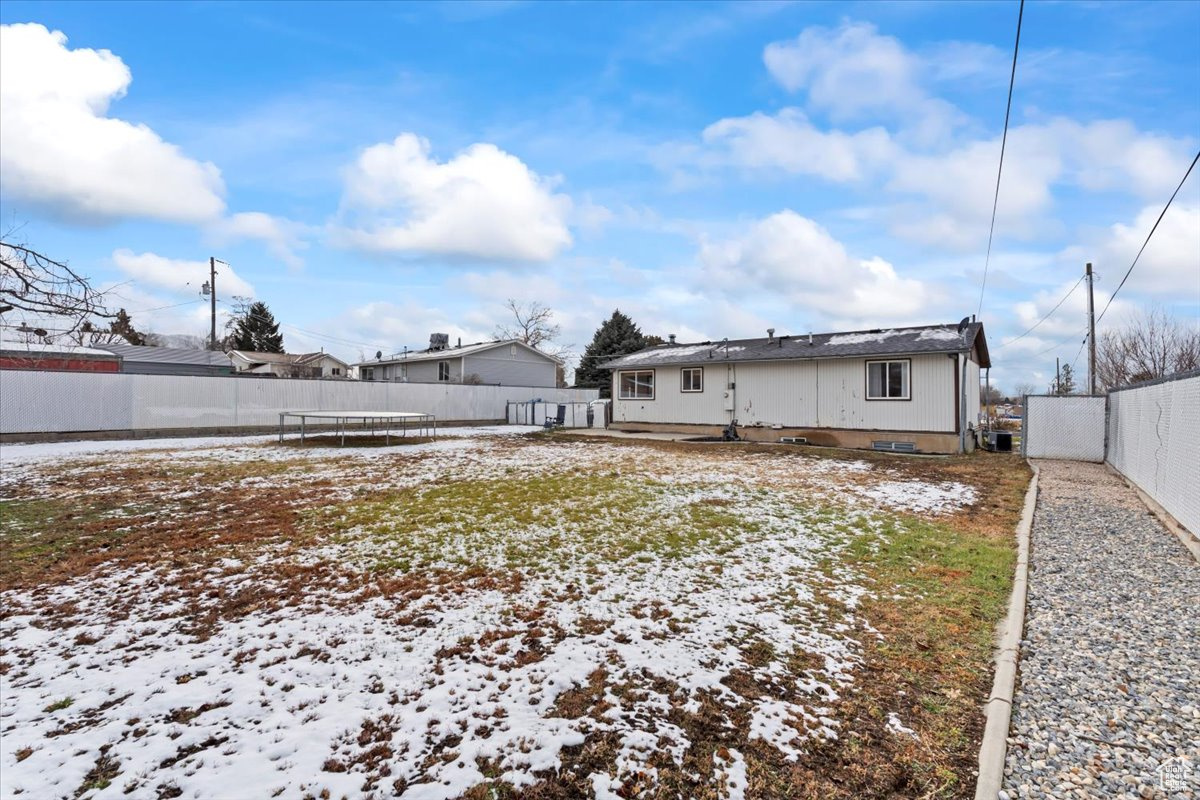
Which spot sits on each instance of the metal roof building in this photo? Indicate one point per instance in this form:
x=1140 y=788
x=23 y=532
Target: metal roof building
x=169 y=360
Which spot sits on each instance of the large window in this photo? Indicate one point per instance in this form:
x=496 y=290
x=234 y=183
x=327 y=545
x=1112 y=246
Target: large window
x=636 y=385
x=888 y=380
x=693 y=379
x=443 y=370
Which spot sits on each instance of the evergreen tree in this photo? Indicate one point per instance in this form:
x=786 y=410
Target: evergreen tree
x=615 y=337
x=1065 y=383
x=118 y=330
x=256 y=331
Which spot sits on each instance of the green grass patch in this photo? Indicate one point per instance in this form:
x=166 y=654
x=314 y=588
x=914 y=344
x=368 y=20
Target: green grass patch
x=534 y=523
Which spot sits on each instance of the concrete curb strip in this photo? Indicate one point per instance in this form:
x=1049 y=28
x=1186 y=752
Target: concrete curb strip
x=994 y=747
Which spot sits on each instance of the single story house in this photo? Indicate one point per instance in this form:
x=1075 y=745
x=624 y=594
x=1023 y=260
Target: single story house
x=289 y=365
x=69 y=357
x=906 y=389
x=141 y=360
x=506 y=362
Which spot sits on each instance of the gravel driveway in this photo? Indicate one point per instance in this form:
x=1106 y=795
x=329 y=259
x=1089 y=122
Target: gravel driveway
x=1109 y=685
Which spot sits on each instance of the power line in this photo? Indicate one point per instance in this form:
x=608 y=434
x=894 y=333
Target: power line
x=1012 y=79
x=1113 y=296
x=335 y=339
x=1059 y=344
x=1043 y=319
x=163 y=308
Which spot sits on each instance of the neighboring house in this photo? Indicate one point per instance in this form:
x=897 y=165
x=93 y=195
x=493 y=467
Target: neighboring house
x=289 y=365
x=169 y=360
x=897 y=389
x=73 y=358
x=503 y=363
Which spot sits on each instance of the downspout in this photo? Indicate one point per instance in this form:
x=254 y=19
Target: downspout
x=962 y=407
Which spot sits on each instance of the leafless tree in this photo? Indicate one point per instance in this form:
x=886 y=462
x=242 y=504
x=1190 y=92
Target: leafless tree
x=56 y=299
x=1154 y=344
x=1022 y=389
x=533 y=323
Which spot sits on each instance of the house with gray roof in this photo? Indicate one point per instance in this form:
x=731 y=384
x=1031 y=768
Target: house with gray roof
x=507 y=362
x=910 y=389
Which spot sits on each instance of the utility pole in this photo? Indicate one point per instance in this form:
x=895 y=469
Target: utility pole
x=1057 y=376
x=1091 y=333
x=210 y=289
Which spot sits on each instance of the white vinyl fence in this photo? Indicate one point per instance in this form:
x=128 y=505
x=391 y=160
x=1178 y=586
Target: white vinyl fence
x=1154 y=441
x=33 y=401
x=1069 y=427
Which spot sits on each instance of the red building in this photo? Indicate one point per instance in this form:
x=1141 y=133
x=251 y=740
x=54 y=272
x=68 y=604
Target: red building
x=71 y=358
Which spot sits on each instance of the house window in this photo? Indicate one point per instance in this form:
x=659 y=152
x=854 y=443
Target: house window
x=337 y=370
x=368 y=373
x=693 y=379
x=443 y=370
x=636 y=385
x=888 y=380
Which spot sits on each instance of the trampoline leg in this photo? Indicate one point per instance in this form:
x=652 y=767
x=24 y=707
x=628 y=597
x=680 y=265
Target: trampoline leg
x=343 y=433
x=302 y=431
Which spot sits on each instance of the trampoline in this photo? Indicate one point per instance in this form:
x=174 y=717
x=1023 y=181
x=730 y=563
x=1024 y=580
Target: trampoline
x=405 y=420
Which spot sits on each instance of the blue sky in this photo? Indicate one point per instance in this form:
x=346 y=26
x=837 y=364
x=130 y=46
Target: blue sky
x=378 y=172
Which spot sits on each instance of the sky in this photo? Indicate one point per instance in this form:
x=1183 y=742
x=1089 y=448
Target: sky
x=378 y=172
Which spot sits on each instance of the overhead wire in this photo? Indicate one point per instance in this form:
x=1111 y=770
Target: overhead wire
x=1012 y=79
x=1148 y=235
x=1046 y=317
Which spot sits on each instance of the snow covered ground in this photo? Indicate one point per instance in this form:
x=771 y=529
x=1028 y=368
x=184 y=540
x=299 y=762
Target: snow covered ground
x=486 y=609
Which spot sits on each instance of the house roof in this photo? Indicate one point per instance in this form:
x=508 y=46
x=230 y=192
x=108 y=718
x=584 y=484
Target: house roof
x=298 y=359
x=168 y=355
x=876 y=342
x=455 y=352
x=41 y=349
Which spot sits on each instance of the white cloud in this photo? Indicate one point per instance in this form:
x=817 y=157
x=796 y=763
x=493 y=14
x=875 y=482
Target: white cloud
x=1169 y=269
x=790 y=255
x=62 y=153
x=959 y=185
x=789 y=141
x=182 y=277
x=483 y=203
x=282 y=237
x=848 y=71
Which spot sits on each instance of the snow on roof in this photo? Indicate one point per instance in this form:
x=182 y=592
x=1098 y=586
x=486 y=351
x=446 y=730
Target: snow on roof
x=453 y=352
x=861 y=338
x=940 y=338
x=43 y=349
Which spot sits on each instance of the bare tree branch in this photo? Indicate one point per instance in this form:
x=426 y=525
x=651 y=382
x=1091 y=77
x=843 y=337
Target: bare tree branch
x=39 y=288
x=1154 y=344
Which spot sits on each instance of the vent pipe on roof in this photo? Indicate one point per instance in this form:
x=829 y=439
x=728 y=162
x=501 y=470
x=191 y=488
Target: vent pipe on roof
x=770 y=335
x=810 y=338
x=671 y=338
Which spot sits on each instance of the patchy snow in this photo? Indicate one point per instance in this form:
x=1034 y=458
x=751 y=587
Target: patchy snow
x=414 y=690
x=920 y=496
x=863 y=338
x=731 y=774
x=672 y=353
x=897 y=727
x=939 y=335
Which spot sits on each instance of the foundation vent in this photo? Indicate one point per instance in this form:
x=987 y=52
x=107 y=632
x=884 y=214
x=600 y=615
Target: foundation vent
x=895 y=447
x=793 y=440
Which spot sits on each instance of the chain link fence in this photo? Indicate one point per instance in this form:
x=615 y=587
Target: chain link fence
x=1154 y=441
x=1063 y=426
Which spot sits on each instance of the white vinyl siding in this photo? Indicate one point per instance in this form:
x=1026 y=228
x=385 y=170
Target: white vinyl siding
x=636 y=384
x=826 y=393
x=888 y=380
x=512 y=366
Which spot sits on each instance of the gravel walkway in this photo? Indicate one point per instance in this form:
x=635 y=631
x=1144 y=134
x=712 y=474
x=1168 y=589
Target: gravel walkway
x=1109 y=685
